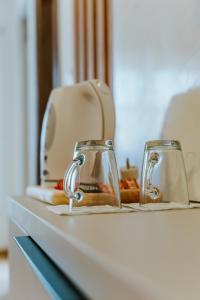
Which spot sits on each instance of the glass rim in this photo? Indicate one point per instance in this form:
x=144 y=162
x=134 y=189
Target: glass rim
x=94 y=143
x=170 y=144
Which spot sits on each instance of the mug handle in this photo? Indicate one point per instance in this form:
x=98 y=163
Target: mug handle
x=150 y=190
x=68 y=181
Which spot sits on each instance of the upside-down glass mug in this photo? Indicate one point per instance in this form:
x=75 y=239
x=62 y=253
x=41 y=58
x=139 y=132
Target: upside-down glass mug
x=163 y=178
x=92 y=178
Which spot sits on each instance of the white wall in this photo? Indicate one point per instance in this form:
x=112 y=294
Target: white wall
x=13 y=154
x=156 y=55
x=32 y=92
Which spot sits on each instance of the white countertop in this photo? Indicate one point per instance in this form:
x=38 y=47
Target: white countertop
x=140 y=255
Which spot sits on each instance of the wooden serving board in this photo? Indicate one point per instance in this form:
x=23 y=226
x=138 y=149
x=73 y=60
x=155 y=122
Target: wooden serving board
x=57 y=197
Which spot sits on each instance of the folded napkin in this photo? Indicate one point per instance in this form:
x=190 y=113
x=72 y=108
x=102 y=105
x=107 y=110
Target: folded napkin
x=161 y=206
x=48 y=195
x=86 y=210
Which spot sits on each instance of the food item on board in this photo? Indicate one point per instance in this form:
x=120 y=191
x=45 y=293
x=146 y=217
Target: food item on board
x=128 y=184
x=59 y=185
x=129 y=190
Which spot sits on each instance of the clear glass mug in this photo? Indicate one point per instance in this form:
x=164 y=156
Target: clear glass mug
x=163 y=177
x=92 y=178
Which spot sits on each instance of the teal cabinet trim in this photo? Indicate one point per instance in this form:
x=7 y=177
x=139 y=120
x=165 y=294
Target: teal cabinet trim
x=57 y=285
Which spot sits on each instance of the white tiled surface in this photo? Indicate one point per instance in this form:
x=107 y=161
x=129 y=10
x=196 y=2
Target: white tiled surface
x=4 y=278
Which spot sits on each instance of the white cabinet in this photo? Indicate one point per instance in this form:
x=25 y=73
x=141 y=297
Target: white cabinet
x=24 y=284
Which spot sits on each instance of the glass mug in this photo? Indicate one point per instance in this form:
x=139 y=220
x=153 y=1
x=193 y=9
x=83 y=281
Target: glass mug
x=163 y=178
x=92 y=178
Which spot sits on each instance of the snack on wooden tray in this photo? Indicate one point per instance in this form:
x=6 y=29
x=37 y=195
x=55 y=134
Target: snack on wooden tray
x=128 y=184
x=93 y=194
x=129 y=190
x=59 y=185
x=100 y=194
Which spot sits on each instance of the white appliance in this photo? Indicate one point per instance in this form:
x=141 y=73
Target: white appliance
x=182 y=122
x=83 y=111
